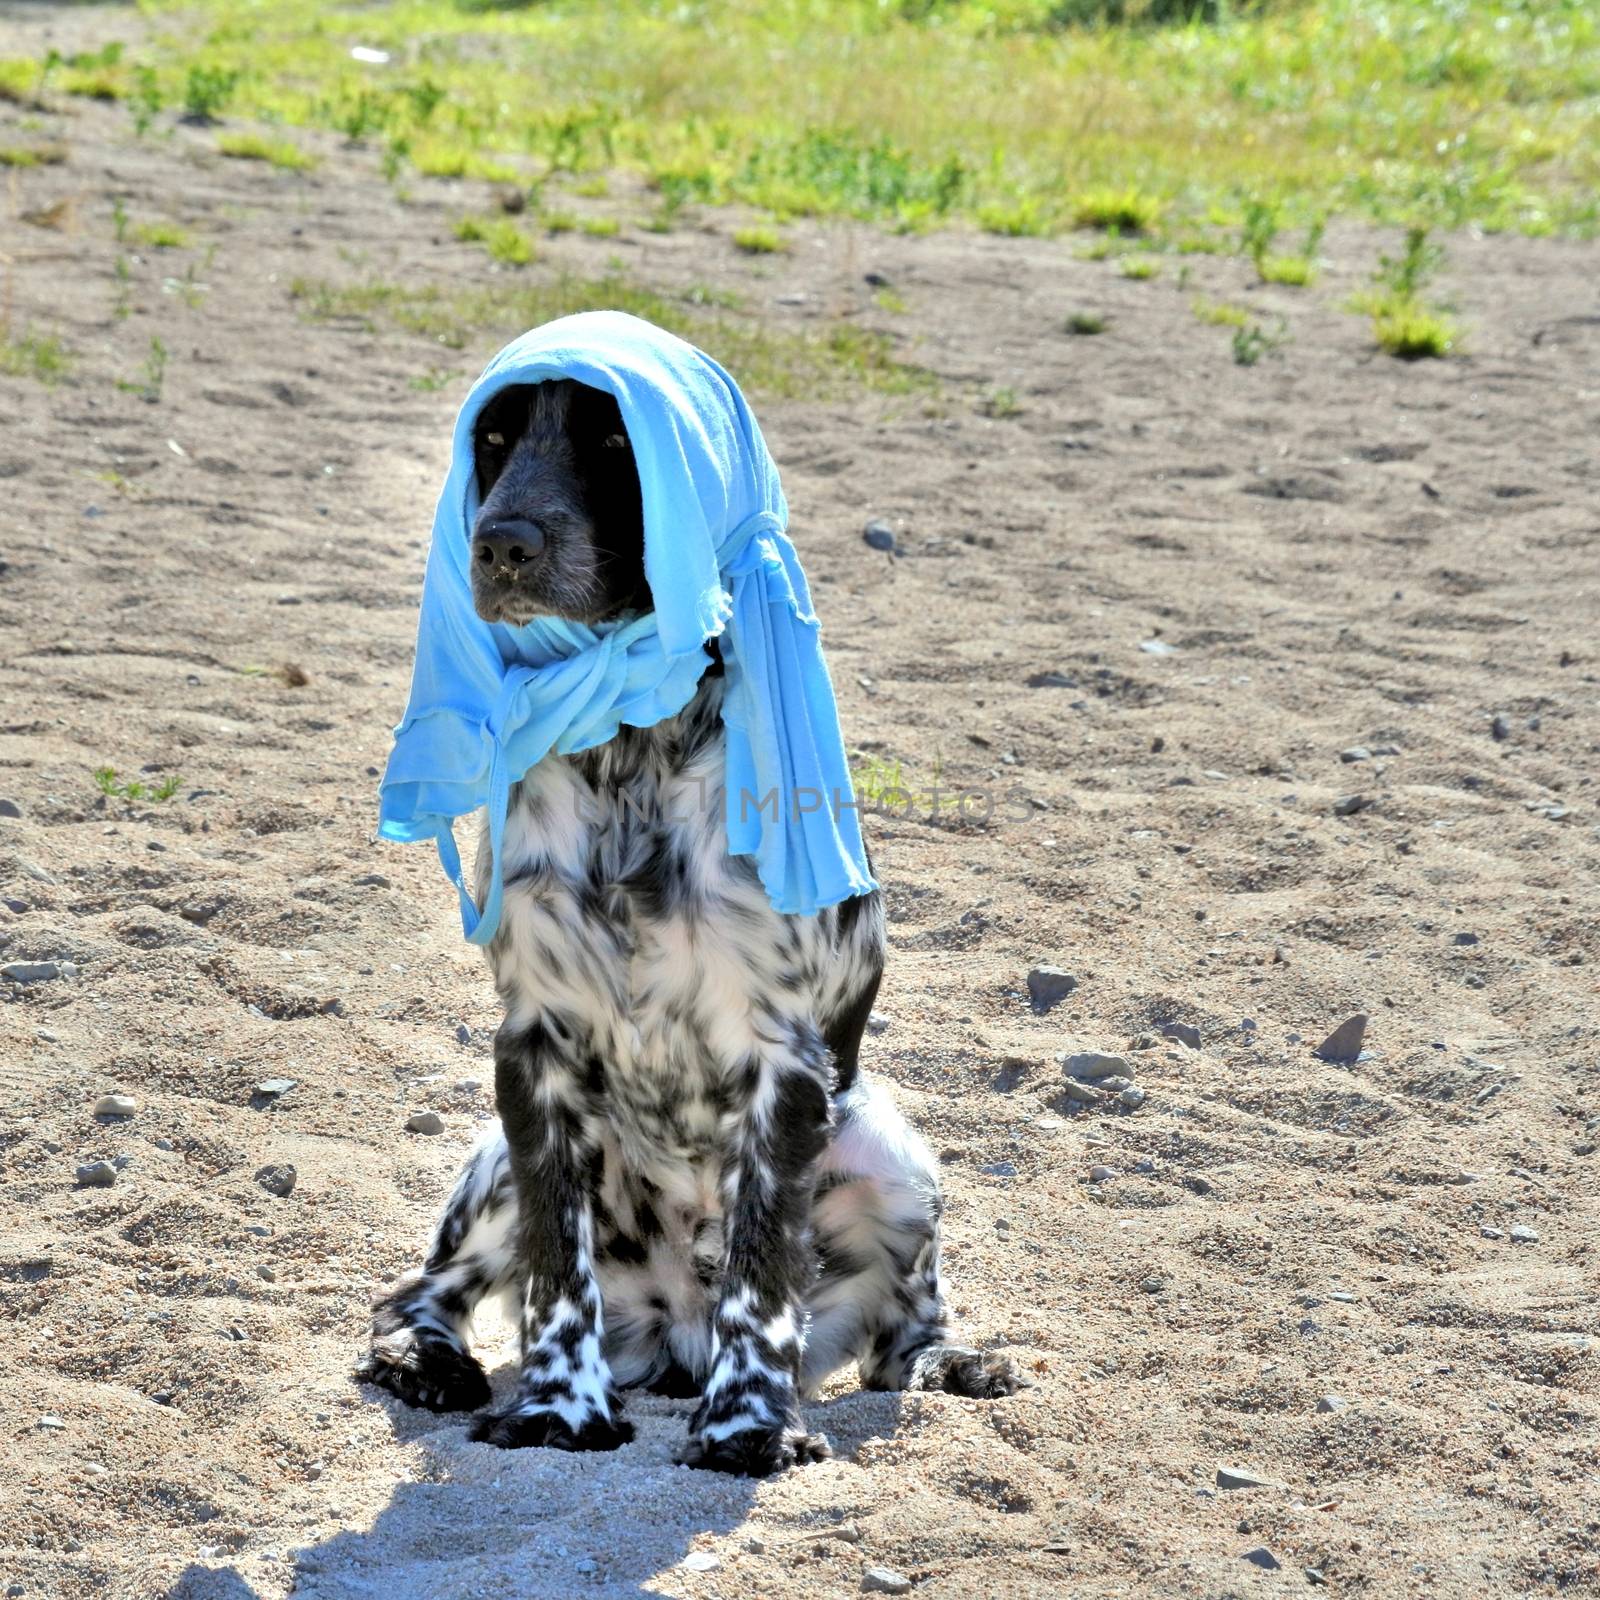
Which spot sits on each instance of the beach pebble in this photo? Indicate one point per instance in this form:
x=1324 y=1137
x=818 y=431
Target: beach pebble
x=1348 y=804
x=10 y=808
x=1048 y=987
x=1263 y=1558
x=53 y=1423
x=463 y=1033
x=470 y=1085
x=97 y=1175
x=425 y=1122
x=1356 y=752
x=1131 y=1098
x=1084 y=1093
x=877 y=1022
x=1490 y=1233
x=1096 y=1064
x=274 y=1088
x=586 y=1565
x=1000 y=1169
x=1522 y=1234
x=1184 y=1032
x=1157 y=647
x=1241 y=1478
x=115 y=1105
x=1500 y=727
x=277 y=1178
x=700 y=1561
x=265 y=1273
x=1101 y=1173
x=1144 y=1166
x=878 y=535
x=1152 y=1284
x=31 y=971
x=14 y=904
x=1331 y=1402
x=884 y=1580
x=1344 y=1043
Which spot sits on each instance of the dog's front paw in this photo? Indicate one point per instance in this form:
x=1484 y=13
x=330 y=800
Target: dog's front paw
x=518 y=1428
x=425 y=1371
x=755 y=1452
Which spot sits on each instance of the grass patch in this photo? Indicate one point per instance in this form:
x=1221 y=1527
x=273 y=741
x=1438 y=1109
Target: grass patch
x=779 y=363
x=1294 y=271
x=32 y=155
x=1219 y=314
x=258 y=147
x=758 y=241
x=1142 y=268
x=1085 y=322
x=159 y=235
x=504 y=241
x=1126 y=113
x=107 y=782
x=1412 y=331
x=1123 y=210
x=1251 y=341
x=1015 y=219
x=40 y=356
x=1001 y=402
x=601 y=227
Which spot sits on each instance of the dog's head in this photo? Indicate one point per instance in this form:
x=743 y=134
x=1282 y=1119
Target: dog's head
x=560 y=529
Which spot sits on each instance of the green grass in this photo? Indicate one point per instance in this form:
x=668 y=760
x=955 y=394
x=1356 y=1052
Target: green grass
x=1295 y=271
x=107 y=782
x=1218 y=314
x=258 y=147
x=757 y=241
x=159 y=235
x=600 y=227
x=1085 y=322
x=1251 y=341
x=835 y=359
x=1124 y=210
x=502 y=238
x=1411 y=330
x=999 y=111
x=40 y=356
x=32 y=155
x=1140 y=267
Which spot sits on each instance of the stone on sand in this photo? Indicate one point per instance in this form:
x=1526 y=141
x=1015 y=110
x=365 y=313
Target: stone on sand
x=1242 y=1478
x=277 y=1177
x=1048 y=987
x=425 y=1122
x=96 y=1175
x=1344 y=1043
x=884 y=1580
x=1184 y=1032
x=1096 y=1064
x=115 y=1105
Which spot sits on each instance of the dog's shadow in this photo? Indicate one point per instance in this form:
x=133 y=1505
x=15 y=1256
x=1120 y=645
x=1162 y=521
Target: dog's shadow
x=473 y=1520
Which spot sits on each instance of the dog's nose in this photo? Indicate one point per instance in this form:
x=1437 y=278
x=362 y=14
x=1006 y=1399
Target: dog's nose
x=508 y=545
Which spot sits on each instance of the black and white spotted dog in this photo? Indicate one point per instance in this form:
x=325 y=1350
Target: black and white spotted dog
x=693 y=1188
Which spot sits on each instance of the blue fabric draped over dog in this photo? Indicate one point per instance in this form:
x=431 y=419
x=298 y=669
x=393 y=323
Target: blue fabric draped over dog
x=488 y=700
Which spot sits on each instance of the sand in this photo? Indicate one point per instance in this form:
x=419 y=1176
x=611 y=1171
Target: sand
x=1340 y=550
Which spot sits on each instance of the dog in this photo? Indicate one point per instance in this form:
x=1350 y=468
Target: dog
x=693 y=1188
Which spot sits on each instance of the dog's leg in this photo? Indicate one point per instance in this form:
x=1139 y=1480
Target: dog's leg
x=748 y=1420
x=565 y=1396
x=879 y=1298
x=421 y=1323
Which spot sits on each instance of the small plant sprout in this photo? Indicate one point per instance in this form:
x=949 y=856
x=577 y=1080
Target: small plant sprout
x=107 y=782
x=1000 y=402
x=759 y=241
x=1122 y=210
x=1085 y=322
x=206 y=90
x=1413 y=332
x=1251 y=342
x=1141 y=268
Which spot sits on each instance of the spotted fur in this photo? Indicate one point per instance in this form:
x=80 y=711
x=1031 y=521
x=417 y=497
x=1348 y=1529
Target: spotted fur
x=692 y=1187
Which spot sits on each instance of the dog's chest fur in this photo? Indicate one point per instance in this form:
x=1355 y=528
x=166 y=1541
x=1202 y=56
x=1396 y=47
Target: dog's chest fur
x=627 y=922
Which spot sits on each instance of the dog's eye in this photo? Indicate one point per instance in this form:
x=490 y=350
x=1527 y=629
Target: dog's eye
x=494 y=439
x=617 y=441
